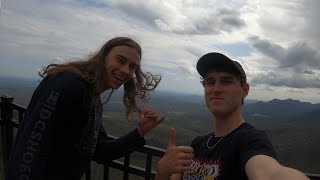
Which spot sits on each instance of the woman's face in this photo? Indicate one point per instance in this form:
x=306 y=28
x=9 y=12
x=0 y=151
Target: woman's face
x=120 y=65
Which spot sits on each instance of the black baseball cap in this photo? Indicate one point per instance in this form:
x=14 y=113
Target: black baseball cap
x=215 y=60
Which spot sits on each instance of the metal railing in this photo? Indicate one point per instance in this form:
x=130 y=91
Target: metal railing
x=8 y=123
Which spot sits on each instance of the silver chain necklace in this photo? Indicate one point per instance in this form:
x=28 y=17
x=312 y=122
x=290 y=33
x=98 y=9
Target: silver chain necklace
x=214 y=144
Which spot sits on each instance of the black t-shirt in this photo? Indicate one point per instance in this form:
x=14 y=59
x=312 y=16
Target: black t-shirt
x=227 y=159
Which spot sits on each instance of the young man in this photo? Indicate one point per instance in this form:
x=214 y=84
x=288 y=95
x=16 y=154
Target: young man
x=62 y=130
x=235 y=149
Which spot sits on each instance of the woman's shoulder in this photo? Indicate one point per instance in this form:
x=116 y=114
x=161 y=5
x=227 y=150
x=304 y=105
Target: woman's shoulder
x=66 y=79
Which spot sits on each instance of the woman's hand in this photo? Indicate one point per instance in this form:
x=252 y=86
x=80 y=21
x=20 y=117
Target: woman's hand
x=148 y=120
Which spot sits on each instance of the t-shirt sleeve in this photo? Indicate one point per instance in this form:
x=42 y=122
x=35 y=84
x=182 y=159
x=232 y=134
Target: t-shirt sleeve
x=253 y=143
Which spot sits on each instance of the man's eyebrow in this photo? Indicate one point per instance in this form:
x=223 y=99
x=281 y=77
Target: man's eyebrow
x=227 y=77
x=208 y=78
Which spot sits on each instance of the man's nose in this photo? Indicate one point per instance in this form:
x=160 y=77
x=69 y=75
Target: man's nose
x=217 y=87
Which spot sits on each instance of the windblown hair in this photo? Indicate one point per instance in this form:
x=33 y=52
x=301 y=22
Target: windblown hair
x=92 y=70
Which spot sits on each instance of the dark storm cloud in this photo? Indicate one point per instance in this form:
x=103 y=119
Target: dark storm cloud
x=308 y=72
x=297 y=64
x=295 y=81
x=298 y=56
x=267 y=48
x=301 y=55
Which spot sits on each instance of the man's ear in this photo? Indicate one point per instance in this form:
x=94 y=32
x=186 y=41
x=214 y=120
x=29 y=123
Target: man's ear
x=245 y=89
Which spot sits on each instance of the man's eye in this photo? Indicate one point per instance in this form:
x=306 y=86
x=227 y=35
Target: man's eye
x=209 y=82
x=227 y=81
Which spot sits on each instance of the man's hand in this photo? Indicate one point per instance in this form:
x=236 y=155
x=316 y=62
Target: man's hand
x=177 y=159
x=148 y=120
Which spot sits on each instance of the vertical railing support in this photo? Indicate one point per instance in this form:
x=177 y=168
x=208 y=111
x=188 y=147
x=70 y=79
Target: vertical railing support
x=6 y=128
x=126 y=167
x=106 y=171
x=148 y=166
x=88 y=173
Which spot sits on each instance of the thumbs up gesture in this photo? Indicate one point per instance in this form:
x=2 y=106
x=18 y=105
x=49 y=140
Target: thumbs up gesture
x=177 y=159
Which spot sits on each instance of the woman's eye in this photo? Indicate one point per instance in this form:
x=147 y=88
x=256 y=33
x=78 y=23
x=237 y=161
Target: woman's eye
x=121 y=61
x=133 y=66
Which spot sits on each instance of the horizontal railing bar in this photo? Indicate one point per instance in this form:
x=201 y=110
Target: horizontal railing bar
x=136 y=170
x=19 y=107
x=313 y=176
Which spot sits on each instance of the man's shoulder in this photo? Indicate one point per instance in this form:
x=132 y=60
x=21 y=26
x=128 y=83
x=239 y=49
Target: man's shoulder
x=245 y=132
x=247 y=128
x=248 y=132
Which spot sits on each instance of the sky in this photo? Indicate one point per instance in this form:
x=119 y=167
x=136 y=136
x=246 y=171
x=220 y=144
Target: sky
x=277 y=42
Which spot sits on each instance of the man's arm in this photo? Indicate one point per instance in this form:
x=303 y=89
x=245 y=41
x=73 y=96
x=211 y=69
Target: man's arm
x=262 y=167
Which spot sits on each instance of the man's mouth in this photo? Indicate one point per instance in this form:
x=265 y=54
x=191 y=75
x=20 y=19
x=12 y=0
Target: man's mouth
x=216 y=98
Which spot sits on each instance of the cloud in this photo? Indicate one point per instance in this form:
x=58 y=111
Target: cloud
x=285 y=79
x=276 y=41
x=285 y=21
x=298 y=55
x=59 y=59
x=298 y=65
x=293 y=90
x=268 y=48
x=183 y=17
x=308 y=72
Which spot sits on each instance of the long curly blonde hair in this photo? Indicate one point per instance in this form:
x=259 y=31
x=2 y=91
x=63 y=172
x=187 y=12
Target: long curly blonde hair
x=92 y=71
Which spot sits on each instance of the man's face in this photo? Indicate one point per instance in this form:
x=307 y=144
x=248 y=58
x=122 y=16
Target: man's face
x=120 y=65
x=223 y=92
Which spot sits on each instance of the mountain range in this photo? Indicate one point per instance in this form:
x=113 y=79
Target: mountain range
x=283 y=110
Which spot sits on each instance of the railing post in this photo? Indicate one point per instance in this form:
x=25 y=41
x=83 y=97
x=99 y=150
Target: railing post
x=6 y=129
x=126 y=167
x=106 y=171
x=88 y=173
x=148 y=166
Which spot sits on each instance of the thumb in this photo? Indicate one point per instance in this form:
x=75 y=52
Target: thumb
x=172 y=139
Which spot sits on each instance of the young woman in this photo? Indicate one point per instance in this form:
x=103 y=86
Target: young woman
x=62 y=129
